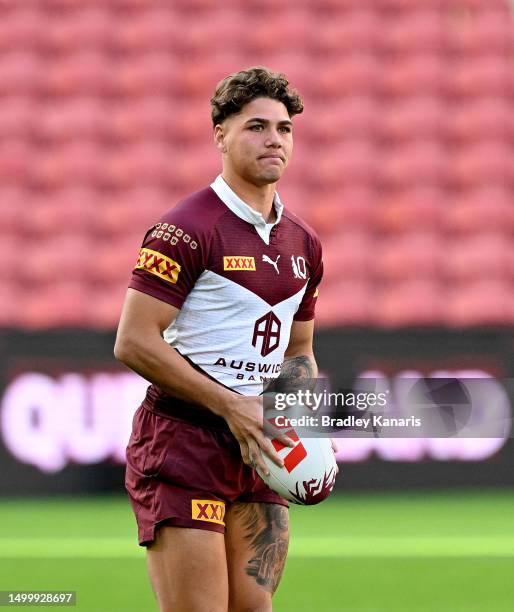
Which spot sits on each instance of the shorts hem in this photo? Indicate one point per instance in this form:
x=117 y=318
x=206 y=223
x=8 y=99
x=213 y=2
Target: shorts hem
x=148 y=537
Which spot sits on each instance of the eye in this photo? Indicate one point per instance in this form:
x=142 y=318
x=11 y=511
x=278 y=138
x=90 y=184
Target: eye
x=285 y=129
x=256 y=128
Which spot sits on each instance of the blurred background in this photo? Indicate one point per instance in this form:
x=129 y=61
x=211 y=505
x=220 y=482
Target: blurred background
x=403 y=164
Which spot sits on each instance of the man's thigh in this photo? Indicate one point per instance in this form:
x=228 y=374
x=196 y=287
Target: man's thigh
x=188 y=570
x=256 y=541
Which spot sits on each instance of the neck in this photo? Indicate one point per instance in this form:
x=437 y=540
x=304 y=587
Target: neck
x=260 y=198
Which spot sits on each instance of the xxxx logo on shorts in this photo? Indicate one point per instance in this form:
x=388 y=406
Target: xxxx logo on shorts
x=208 y=510
x=158 y=264
x=237 y=262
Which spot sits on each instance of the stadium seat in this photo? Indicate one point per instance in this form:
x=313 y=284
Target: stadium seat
x=17 y=117
x=21 y=29
x=416 y=255
x=356 y=30
x=486 y=256
x=487 y=210
x=104 y=305
x=417 y=118
x=13 y=201
x=21 y=73
x=81 y=118
x=488 y=30
x=485 y=118
x=349 y=257
x=422 y=163
x=486 y=163
x=148 y=118
x=482 y=302
x=86 y=29
x=352 y=118
x=15 y=158
x=57 y=305
x=88 y=73
x=417 y=74
x=355 y=73
x=61 y=211
x=412 y=210
x=76 y=163
x=351 y=303
x=490 y=73
x=411 y=303
x=419 y=30
x=351 y=163
x=336 y=212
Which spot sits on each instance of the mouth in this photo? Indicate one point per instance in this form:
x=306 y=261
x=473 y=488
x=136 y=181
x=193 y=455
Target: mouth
x=274 y=157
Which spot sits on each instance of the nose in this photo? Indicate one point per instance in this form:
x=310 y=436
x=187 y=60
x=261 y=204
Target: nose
x=273 y=139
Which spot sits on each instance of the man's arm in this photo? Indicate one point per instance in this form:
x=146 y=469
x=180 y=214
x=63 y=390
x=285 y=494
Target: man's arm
x=141 y=347
x=299 y=367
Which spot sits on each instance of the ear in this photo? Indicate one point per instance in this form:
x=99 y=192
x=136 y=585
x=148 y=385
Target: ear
x=219 y=138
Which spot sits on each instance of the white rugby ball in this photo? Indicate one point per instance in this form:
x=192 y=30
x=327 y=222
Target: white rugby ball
x=309 y=471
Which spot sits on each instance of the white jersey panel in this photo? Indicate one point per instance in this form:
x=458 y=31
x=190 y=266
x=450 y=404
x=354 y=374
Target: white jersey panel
x=233 y=334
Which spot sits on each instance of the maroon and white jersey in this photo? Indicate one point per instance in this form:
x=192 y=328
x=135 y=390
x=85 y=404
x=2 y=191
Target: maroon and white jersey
x=238 y=281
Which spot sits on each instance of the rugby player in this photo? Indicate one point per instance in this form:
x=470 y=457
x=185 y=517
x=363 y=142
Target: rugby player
x=221 y=299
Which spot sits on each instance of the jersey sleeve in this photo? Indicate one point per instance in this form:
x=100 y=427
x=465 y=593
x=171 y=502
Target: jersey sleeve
x=307 y=307
x=170 y=260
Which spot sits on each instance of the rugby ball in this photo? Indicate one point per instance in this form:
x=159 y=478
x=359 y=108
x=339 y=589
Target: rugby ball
x=309 y=471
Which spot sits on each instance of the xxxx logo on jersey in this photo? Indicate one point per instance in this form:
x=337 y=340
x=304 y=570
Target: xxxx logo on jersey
x=236 y=262
x=158 y=264
x=208 y=510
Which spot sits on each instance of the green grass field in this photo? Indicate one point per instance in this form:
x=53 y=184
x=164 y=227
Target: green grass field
x=420 y=552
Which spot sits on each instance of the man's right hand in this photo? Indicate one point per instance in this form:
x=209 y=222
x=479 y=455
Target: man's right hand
x=244 y=416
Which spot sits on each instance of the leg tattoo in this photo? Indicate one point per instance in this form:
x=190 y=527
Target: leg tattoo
x=266 y=527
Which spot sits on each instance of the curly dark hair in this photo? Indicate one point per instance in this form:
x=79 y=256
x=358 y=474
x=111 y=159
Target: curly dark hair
x=236 y=90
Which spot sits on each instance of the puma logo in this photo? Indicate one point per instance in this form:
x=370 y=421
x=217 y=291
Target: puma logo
x=270 y=261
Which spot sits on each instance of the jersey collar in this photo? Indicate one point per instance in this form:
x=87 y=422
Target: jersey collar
x=245 y=212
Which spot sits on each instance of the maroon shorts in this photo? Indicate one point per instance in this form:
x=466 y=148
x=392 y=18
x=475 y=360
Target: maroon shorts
x=186 y=475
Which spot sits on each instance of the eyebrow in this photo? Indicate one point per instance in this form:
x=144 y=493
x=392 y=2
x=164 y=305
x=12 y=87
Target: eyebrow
x=260 y=120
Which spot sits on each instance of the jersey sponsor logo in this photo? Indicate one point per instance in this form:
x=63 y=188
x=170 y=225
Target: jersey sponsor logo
x=267 y=259
x=237 y=263
x=208 y=510
x=268 y=329
x=158 y=265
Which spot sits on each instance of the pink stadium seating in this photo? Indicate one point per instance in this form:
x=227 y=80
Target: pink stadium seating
x=411 y=210
x=420 y=31
x=486 y=118
x=415 y=74
x=403 y=159
x=354 y=208
x=417 y=163
x=347 y=302
x=482 y=302
x=485 y=163
x=411 y=302
x=354 y=257
x=84 y=73
x=412 y=256
x=487 y=73
x=355 y=30
x=487 y=210
x=21 y=73
x=479 y=257
x=417 y=117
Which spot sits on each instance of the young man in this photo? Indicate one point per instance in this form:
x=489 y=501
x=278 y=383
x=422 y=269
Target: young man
x=222 y=298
